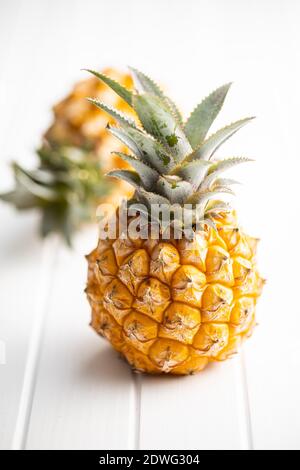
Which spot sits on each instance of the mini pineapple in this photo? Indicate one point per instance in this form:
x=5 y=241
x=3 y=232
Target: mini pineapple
x=68 y=184
x=172 y=305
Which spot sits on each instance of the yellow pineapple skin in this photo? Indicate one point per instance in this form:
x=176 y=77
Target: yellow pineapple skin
x=173 y=306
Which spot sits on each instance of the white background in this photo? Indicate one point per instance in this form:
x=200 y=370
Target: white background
x=62 y=386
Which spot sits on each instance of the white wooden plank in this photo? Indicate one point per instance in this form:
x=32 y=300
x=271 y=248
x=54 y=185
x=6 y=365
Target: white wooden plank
x=85 y=395
x=21 y=264
x=43 y=289
x=19 y=273
x=195 y=412
x=20 y=247
x=273 y=356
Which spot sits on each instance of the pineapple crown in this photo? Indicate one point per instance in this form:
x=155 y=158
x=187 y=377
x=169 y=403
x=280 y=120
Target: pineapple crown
x=66 y=187
x=172 y=160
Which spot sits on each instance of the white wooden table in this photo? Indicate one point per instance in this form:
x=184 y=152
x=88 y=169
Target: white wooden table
x=63 y=387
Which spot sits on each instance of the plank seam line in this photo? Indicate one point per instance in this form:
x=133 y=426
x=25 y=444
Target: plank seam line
x=47 y=270
x=246 y=401
x=137 y=381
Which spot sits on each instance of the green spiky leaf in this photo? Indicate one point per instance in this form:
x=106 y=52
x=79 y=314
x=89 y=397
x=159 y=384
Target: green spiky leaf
x=219 y=167
x=145 y=148
x=158 y=121
x=153 y=152
x=204 y=115
x=174 y=110
x=20 y=198
x=210 y=145
x=132 y=177
x=123 y=92
x=194 y=172
x=120 y=117
x=148 y=198
x=36 y=189
x=148 y=175
x=224 y=182
x=201 y=197
x=58 y=219
x=175 y=190
x=145 y=84
x=126 y=139
x=65 y=188
x=216 y=206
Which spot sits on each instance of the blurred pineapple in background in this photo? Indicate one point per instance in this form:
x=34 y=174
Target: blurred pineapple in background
x=78 y=123
x=68 y=183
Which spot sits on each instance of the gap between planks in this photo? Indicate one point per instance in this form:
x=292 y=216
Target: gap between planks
x=136 y=411
x=243 y=402
x=48 y=264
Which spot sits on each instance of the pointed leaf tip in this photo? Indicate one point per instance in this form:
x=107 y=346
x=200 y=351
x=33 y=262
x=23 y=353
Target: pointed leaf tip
x=145 y=84
x=201 y=119
x=117 y=115
x=207 y=149
x=131 y=177
x=219 y=167
x=123 y=92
